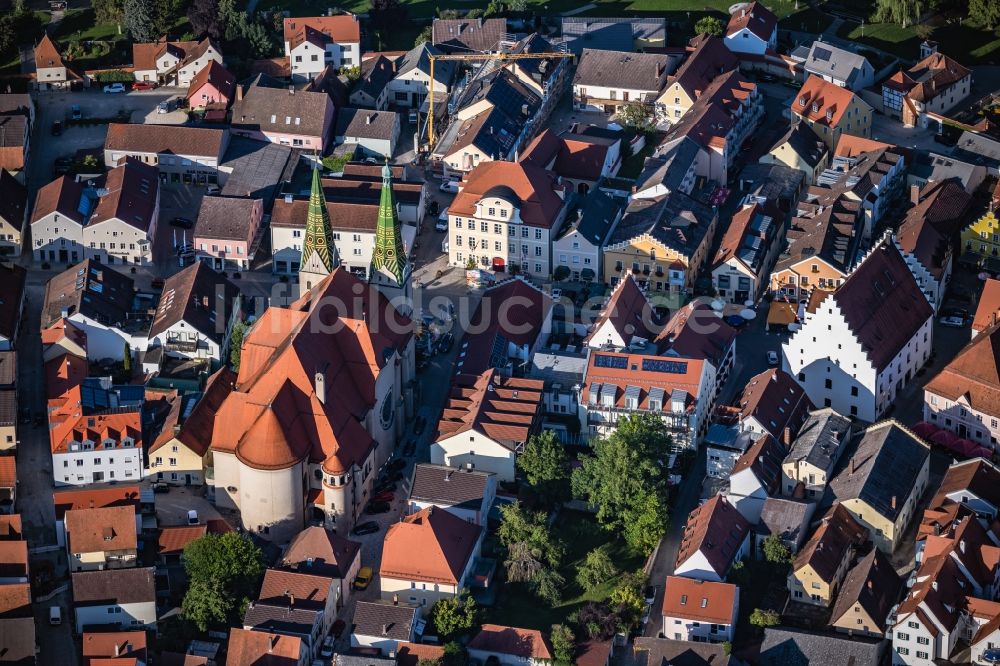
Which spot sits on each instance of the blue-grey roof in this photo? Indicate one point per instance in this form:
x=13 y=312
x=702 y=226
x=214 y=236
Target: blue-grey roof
x=611 y=34
x=821 y=439
x=978 y=149
x=833 y=62
x=669 y=166
x=418 y=58
x=676 y=220
x=256 y=168
x=594 y=217
x=783 y=646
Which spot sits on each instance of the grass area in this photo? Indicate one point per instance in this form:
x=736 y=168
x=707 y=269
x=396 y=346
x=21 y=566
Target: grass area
x=79 y=24
x=517 y=606
x=806 y=20
x=632 y=166
x=966 y=43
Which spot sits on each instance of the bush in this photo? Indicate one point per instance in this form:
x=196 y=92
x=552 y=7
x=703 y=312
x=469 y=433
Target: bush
x=596 y=569
x=764 y=617
x=114 y=76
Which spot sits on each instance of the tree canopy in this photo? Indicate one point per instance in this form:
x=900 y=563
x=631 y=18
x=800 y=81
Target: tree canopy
x=563 y=644
x=454 y=615
x=596 y=569
x=626 y=479
x=986 y=13
x=709 y=25
x=224 y=572
x=532 y=552
x=545 y=465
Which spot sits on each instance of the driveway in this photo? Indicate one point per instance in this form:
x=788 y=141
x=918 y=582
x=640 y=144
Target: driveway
x=172 y=507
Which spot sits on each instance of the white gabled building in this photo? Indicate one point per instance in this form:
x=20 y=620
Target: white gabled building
x=313 y=42
x=752 y=29
x=755 y=477
x=699 y=611
x=715 y=537
x=882 y=327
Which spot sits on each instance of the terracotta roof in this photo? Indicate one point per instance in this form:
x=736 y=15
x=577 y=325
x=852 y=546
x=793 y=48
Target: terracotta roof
x=342 y=29
x=831 y=543
x=274 y=67
x=64 y=373
x=512 y=311
x=463 y=35
x=263 y=648
x=68 y=425
x=749 y=235
x=145 y=55
x=13 y=200
x=988 y=307
x=17 y=640
x=710 y=120
x=928 y=78
x=121 y=586
x=977 y=476
x=66 y=500
x=114 y=644
x=10 y=527
x=756 y=18
x=928 y=227
x=974 y=374
x=531 y=189
x=279 y=418
x=216 y=74
x=708 y=57
x=884 y=469
x=294 y=588
x=716 y=530
x=644 y=378
x=385 y=619
x=173 y=539
x=525 y=643
x=64 y=329
x=822 y=102
x=15 y=600
x=763 y=458
x=882 y=304
x=570 y=155
x=872 y=584
x=179 y=659
x=198 y=296
x=629 y=312
x=445 y=542
x=696 y=331
x=411 y=654
x=47 y=54
x=702 y=601
x=317 y=551
x=8 y=471
x=103 y=529
x=776 y=401
x=167 y=139
x=130 y=194
x=505 y=409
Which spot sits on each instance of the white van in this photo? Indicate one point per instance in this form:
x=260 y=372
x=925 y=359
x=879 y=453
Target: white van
x=192 y=517
x=55 y=616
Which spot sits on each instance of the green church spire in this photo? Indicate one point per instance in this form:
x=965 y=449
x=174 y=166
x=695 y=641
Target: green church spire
x=389 y=257
x=319 y=254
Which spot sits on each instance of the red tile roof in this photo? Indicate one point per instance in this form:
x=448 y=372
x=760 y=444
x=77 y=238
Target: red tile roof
x=411 y=654
x=317 y=551
x=174 y=539
x=831 y=544
x=531 y=189
x=445 y=543
x=64 y=329
x=342 y=29
x=101 y=529
x=217 y=75
x=47 y=54
x=702 y=601
x=716 y=530
x=988 y=308
x=525 y=643
x=928 y=78
x=776 y=401
x=8 y=471
x=821 y=102
x=709 y=56
x=68 y=425
x=629 y=312
x=513 y=310
x=974 y=374
x=756 y=18
x=505 y=409
x=262 y=648
x=296 y=589
x=66 y=500
x=114 y=644
x=652 y=375
x=10 y=527
x=697 y=331
x=764 y=459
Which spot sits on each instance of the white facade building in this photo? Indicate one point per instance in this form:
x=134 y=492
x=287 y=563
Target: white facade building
x=313 y=42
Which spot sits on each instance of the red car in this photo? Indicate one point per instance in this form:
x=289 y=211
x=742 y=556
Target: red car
x=384 y=496
x=143 y=85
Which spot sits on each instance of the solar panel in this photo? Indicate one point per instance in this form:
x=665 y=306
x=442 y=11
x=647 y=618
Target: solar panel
x=822 y=54
x=616 y=362
x=665 y=366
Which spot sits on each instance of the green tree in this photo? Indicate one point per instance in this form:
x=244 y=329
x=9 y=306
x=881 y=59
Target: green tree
x=223 y=573
x=903 y=12
x=547 y=585
x=764 y=617
x=985 y=13
x=627 y=481
x=205 y=19
x=635 y=114
x=236 y=344
x=454 y=654
x=628 y=602
x=454 y=615
x=545 y=465
x=139 y=17
x=517 y=6
x=527 y=532
x=425 y=35
x=108 y=11
x=709 y=25
x=428 y=662
x=596 y=569
x=563 y=644
x=775 y=550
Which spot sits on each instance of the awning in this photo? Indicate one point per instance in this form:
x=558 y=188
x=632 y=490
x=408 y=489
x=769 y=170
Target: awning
x=780 y=313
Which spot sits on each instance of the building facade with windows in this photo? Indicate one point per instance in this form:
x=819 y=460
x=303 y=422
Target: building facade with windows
x=313 y=42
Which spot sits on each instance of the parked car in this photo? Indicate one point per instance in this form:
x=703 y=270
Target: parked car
x=57 y=128
x=369 y=527
x=364 y=577
x=338 y=628
x=556 y=294
x=382 y=486
x=75 y=112
x=441 y=225
x=114 y=88
x=161 y=487
x=433 y=208
x=953 y=322
x=144 y=85
x=182 y=222
x=772 y=358
x=213 y=189
x=396 y=464
x=327 y=650
x=192 y=517
x=412 y=117
x=55 y=615
x=450 y=186
x=375 y=508
x=384 y=496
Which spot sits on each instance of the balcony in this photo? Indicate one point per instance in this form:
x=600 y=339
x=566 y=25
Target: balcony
x=186 y=346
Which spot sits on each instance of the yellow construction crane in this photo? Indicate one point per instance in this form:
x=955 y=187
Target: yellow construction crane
x=502 y=57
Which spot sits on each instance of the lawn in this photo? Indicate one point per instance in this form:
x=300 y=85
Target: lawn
x=517 y=606
x=966 y=43
x=806 y=20
x=78 y=24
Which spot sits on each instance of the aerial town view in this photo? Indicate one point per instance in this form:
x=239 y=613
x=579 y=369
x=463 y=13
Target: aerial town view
x=499 y=332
